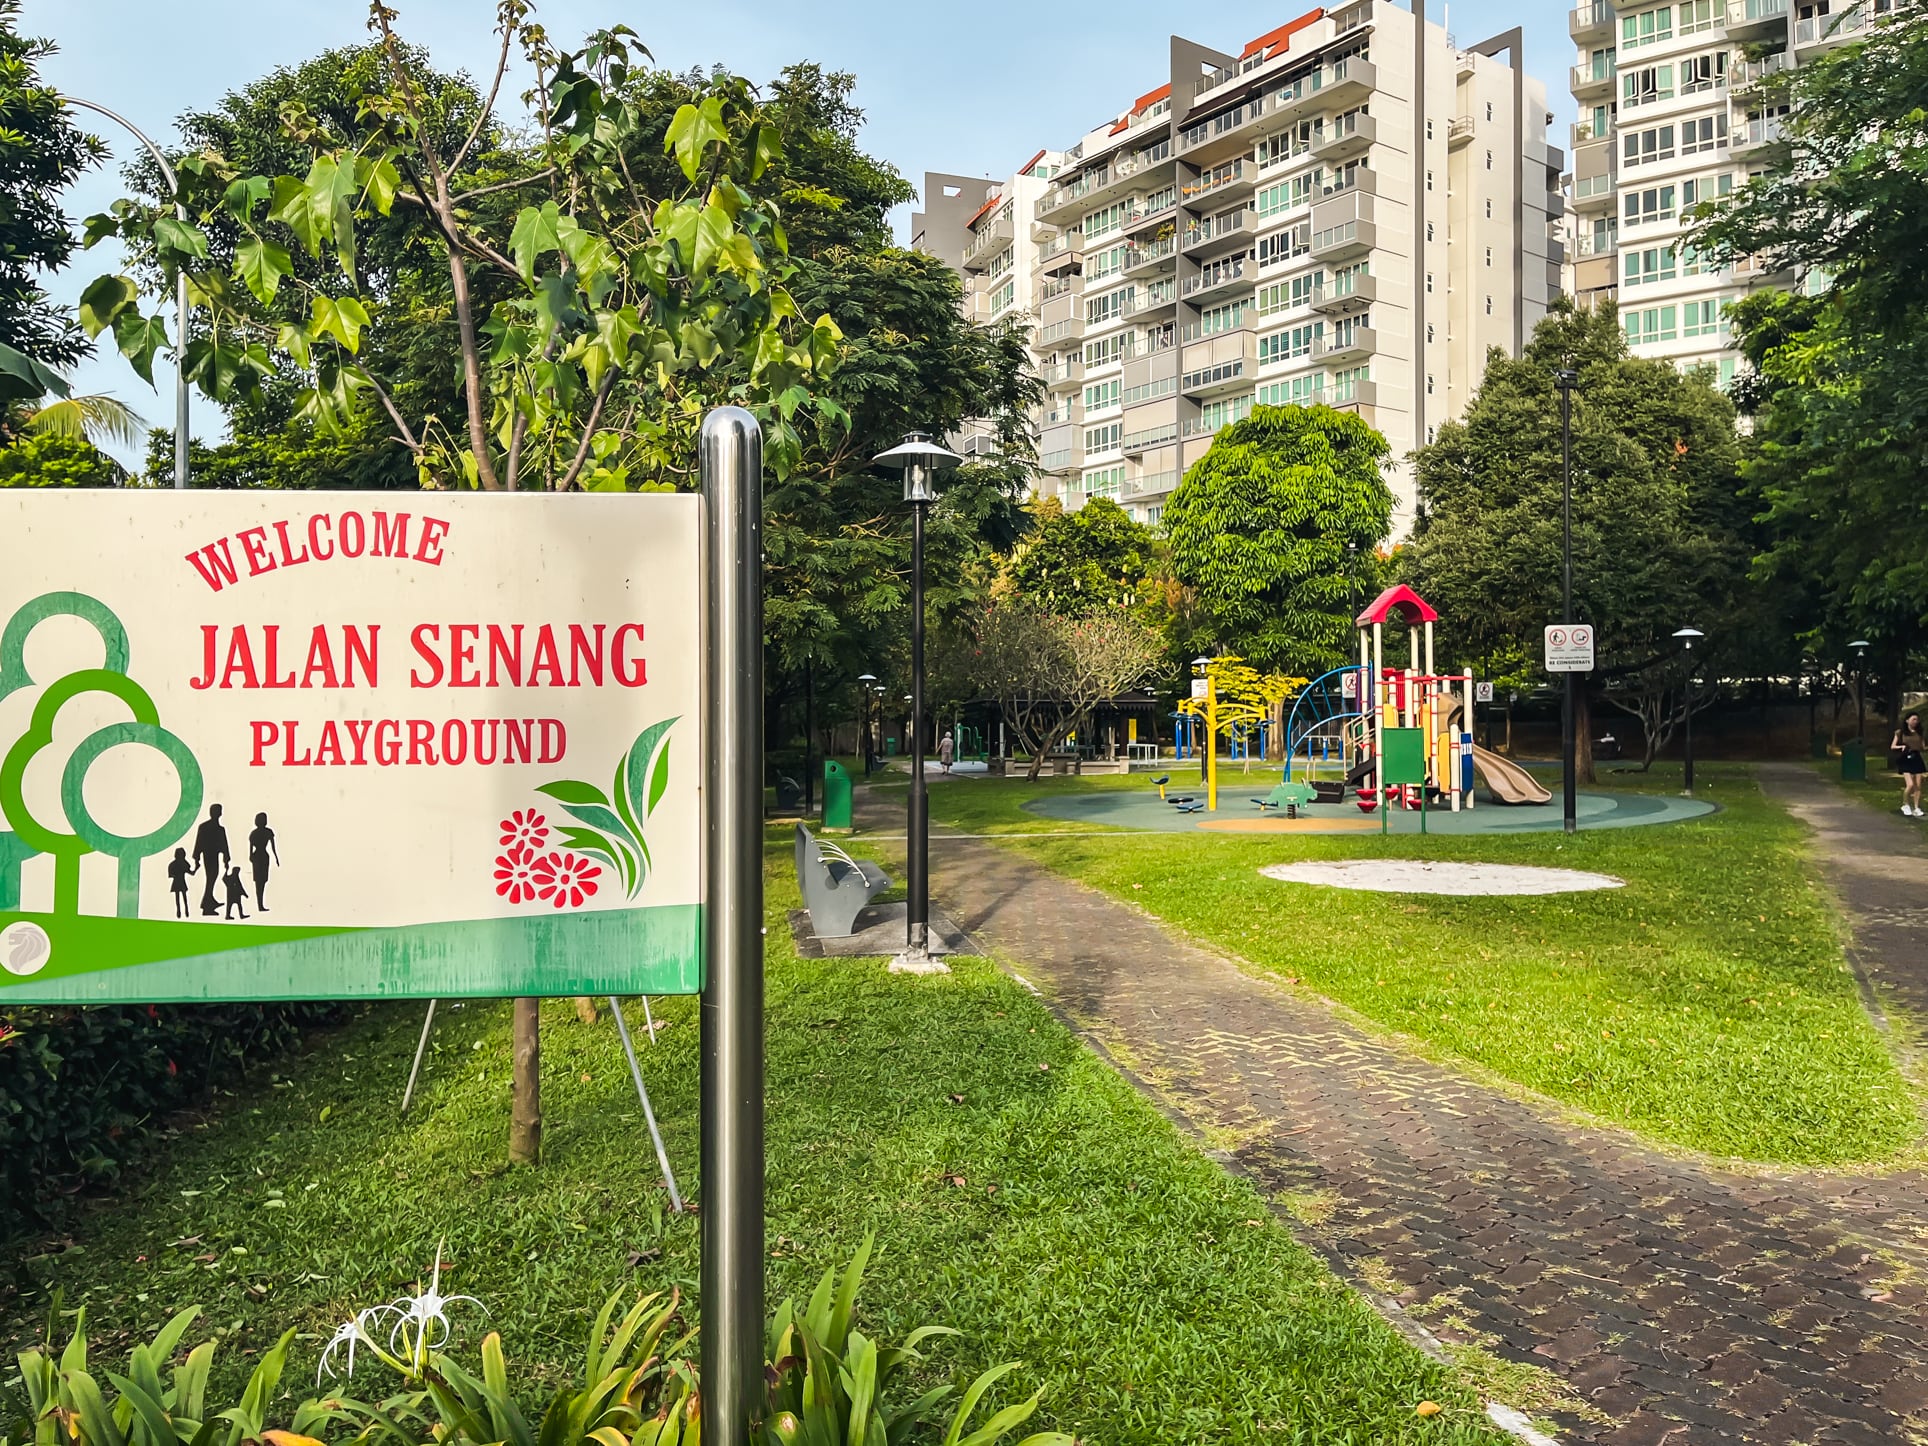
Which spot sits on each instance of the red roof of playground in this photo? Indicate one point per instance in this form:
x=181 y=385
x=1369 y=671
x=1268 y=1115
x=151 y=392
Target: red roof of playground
x=1402 y=600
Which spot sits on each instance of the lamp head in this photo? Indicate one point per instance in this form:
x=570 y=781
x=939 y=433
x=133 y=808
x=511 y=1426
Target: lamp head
x=1687 y=636
x=919 y=458
x=1860 y=646
x=1566 y=379
x=866 y=677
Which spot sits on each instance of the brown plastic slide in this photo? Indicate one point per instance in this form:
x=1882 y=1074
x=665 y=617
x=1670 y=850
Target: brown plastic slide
x=1505 y=779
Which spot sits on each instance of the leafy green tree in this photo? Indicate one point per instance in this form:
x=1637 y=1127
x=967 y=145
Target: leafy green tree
x=1839 y=381
x=1274 y=531
x=624 y=316
x=1661 y=530
x=42 y=151
x=1093 y=557
x=57 y=459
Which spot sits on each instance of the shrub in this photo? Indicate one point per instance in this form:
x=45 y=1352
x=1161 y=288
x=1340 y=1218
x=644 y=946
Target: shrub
x=829 y=1386
x=83 y=1090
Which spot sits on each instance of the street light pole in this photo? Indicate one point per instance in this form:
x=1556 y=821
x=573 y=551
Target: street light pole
x=866 y=681
x=919 y=457
x=1567 y=379
x=1860 y=646
x=1687 y=636
x=180 y=339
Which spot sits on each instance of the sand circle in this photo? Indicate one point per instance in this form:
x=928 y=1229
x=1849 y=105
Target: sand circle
x=1415 y=876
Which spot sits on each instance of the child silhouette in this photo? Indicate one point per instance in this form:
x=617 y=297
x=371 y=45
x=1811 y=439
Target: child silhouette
x=177 y=874
x=236 y=893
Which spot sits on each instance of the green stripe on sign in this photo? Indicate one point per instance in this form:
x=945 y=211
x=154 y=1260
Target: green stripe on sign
x=150 y=961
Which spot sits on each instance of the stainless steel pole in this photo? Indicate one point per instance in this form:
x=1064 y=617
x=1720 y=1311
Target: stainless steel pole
x=180 y=293
x=731 y=460
x=917 y=909
x=1569 y=769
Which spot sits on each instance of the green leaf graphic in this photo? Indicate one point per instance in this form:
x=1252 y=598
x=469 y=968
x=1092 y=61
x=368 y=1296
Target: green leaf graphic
x=570 y=790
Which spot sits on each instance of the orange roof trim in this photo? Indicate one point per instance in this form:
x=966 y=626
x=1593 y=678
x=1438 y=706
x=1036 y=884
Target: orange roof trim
x=1032 y=162
x=1275 y=41
x=1150 y=98
x=978 y=215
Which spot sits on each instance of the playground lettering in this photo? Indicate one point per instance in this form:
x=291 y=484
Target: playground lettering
x=442 y=654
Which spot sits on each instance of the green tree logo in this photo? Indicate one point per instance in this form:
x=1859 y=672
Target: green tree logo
x=30 y=836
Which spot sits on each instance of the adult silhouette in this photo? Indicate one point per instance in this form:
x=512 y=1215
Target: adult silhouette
x=261 y=849
x=211 y=856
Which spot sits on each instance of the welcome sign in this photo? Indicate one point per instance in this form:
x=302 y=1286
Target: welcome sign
x=286 y=745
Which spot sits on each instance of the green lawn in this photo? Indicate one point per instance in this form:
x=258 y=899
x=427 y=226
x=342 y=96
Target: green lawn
x=1017 y=1187
x=1706 y=1004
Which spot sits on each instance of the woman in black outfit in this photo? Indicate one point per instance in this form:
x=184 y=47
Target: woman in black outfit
x=1911 y=745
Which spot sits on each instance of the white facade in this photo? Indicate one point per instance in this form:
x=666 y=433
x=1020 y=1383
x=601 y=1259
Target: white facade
x=1672 y=113
x=1351 y=210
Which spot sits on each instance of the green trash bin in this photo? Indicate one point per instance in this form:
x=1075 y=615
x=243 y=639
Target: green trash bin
x=836 y=795
x=1854 y=761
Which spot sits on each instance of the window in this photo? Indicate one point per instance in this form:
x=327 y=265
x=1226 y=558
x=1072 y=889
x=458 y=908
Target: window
x=1429 y=283
x=1001 y=263
x=1655 y=323
x=1429 y=127
x=1429 y=384
x=1489 y=306
x=1489 y=160
x=1639 y=148
x=1283 y=295
x=1705 y=188
x=1103 y=439
x=1284 y=245
x=1431 y=434
x=1159 y=201
x=1644 y=267
x=1649 y=27
x=1489 y=255
x=1293 y=392
x=1004 y=296
x=1703 y=73
x=1104 y=481
x=1217 y=319
x=1100 y=264
x=1643 y=208
x=1699 y=15
x=1429 y=179
x=1109 y=307
x=1098 y=223
x=1102 y=395
x=1489 y=208
x=1728 y=366
x=1104 y=352
x=1294 y=341
x=1703 y=134
x=1701 y=318
x=1645 y=86
x=1429 y=230
x=1429 y=333
x=1489 y=110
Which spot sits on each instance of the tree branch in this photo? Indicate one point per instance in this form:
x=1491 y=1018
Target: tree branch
x=588 y=431
x=495 y=87
x=388 y=405
x=529 y=180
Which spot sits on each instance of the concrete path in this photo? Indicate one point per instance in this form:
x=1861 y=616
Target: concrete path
x=1674 y=1301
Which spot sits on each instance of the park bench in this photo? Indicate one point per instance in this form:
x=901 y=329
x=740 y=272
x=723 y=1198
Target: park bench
x=835 y=886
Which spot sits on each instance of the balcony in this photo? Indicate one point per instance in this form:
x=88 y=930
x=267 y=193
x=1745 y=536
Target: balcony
x=1138 y=218
x=1058 y=333
x=987 y=243
x=1061 y=253
x=1342 y=228
x=1584 y=133
x=1349 y=81
x=1227 y=274
x=1228 y=179
x=1459 y=132
x=1062 y=374
x=1352 y=293
x=1594 y=80
x=1151 y=484
x=1360 y=182
x=1755 y=19
x=1150 y=254
x=1589 y=244
x=1758 y=134
x=1060 y=195
x=1755 y=268
x=1219 y=232
x=1350 y=135
x=1830 y=29
x=1221 y=135
x=1143 y=440
x=1354 y=343
x=1591 y=22
x=1749 y=73
x=1064 y=411
x=1593 y=193
x=1055 y=287
x=1352 y=392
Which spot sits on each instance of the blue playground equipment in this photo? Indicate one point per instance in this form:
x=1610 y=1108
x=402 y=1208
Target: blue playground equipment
x=1242 y=737
x=1316 y=725
x=1187 y=729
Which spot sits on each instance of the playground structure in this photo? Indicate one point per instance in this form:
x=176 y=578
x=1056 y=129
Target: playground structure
x=1407 y=730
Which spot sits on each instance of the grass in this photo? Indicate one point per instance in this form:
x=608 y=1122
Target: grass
x=1017 y=1187
x=1706 y=1004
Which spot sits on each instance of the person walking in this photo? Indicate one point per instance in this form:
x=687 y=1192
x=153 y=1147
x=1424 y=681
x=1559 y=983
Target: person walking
x=1910 y=745
x=946 y=749
x=211 y=855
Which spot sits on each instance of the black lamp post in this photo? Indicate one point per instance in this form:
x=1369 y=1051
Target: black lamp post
x=1566 y=379
x=867 y=681
x=919 y=458
x=1687 y=636
x=1860 y=646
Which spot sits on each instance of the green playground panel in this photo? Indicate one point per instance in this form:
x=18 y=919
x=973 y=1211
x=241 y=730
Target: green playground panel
x=1403 y=755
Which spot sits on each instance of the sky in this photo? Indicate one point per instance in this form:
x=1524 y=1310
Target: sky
x=970 y=88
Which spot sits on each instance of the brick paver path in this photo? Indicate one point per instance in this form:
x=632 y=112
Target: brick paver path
x=1680 y=1302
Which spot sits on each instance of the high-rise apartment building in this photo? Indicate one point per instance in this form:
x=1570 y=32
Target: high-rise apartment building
x=1352 y=209
x=1674 y=112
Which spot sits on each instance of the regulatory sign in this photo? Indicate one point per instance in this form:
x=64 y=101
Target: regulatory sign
x=1482 y=692
x=1569 y=648
x=309 y=745
x=1201 y=687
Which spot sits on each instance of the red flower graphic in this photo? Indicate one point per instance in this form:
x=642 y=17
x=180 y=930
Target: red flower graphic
x=515 y=875
x=525 y=829
x=565 y=880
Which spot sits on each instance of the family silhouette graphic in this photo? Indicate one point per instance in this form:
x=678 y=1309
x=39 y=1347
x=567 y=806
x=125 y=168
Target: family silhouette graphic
x=213 y=857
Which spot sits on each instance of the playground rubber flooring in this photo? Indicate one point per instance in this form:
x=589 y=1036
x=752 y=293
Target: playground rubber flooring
x=1141 y=809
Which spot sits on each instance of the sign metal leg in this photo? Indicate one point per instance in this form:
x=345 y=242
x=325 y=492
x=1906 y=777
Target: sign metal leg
x=421 y=1050
x=655 y=1134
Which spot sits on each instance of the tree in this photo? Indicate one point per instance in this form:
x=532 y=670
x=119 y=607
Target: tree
x=623 y=316
x=1242 y=696
x=1048 y=671
x=1274 y=530
x=1661 y=532
x=54 y=459
x=1839 y=380
x=42 y=152
x=1094 y=557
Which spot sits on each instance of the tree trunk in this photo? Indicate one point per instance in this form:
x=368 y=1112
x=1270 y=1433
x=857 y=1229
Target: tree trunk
x=1583 y=733
x=586 y=1009
x=525 y=1105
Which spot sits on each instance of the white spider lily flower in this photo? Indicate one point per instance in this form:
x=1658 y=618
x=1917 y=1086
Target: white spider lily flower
x=347 y=1335
x=420 y=1326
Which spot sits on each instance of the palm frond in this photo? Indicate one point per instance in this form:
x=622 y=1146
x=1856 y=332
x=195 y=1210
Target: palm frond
x=97 y=419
